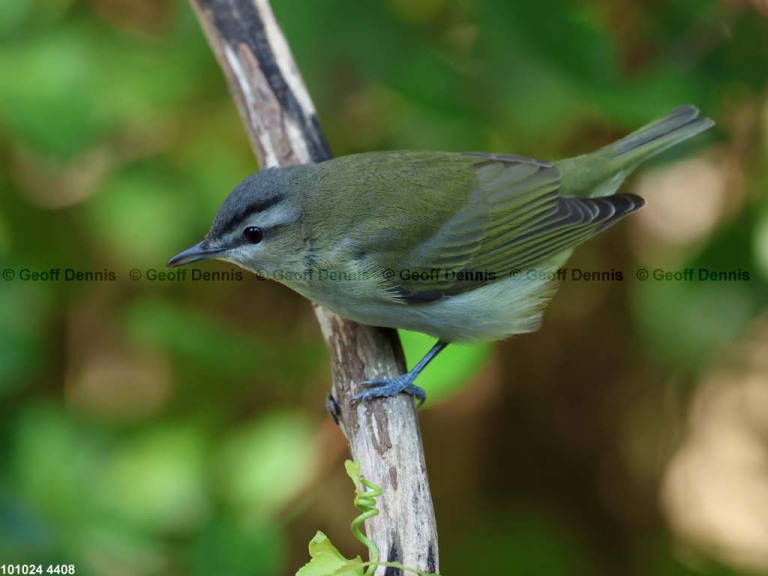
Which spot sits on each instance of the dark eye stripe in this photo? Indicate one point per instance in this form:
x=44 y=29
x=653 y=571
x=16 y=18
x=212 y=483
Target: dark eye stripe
x=261 y=205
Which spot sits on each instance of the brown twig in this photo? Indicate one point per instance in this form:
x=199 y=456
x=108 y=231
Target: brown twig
x=283 y=129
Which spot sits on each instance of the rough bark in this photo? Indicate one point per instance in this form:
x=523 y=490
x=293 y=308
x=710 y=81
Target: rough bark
x=383 y=434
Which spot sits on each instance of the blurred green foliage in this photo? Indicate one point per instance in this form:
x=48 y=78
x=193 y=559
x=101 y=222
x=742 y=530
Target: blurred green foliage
x=177 y=427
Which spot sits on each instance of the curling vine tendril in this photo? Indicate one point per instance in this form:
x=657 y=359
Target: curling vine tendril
x=326 y=560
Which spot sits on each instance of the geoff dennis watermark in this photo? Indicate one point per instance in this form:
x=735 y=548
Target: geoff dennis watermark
x=693 y=275
x=387 y=275
x=59 y=275
x=75 y=275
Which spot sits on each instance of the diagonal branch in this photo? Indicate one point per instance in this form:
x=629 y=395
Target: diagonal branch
x=283 y=129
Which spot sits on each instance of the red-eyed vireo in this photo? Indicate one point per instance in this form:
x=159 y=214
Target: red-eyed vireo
x=464 y=247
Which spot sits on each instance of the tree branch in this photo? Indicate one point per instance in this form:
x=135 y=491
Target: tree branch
x=283 y=129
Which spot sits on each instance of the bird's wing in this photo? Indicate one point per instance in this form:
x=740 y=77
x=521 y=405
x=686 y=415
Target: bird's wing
x=513 y=219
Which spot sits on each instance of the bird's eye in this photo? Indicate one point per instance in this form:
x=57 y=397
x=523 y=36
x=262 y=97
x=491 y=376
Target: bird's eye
x=253 y=234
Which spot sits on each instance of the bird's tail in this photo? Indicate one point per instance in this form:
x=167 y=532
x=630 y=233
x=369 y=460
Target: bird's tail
x=679 y=125
x=601 y=173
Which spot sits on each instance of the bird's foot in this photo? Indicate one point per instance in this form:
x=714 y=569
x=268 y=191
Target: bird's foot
x=385 y=388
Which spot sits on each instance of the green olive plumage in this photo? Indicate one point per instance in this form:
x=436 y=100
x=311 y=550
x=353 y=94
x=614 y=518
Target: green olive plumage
x=460 y=246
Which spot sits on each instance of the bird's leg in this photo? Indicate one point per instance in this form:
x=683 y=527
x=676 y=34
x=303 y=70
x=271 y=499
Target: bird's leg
x=404 y=383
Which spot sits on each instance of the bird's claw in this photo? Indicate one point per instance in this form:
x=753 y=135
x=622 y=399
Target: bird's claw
x=383 y=388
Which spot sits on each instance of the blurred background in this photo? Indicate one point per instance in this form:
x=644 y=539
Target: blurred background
x=176 y=426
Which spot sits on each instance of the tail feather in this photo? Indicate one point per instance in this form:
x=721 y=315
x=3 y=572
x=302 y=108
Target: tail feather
x=679 y=125
x=601 y=173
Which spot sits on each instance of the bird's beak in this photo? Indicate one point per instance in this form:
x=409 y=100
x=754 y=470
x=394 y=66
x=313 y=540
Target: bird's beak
x=199 y=251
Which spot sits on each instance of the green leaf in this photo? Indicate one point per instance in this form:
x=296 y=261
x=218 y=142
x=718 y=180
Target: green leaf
x=353 y=470
x=326 y=560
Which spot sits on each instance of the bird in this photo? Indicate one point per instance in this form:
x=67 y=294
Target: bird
x=464 y=247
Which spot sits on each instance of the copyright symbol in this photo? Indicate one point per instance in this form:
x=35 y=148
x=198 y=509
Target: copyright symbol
x=388 y=274
x=8 y=274
x=514 y=274
x=135 y=274
x=642 y=274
